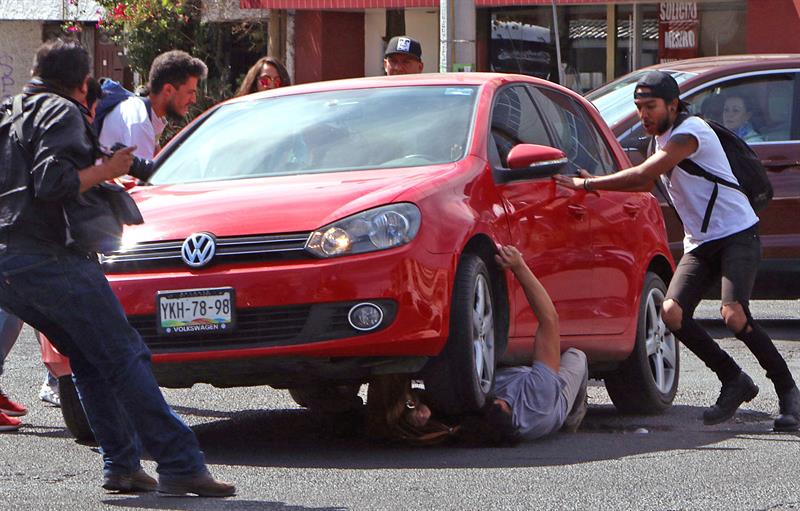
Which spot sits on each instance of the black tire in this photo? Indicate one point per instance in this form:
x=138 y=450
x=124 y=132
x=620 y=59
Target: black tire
x=72 y=410
x=452 y=380
x=639 y=385
x=328 y=398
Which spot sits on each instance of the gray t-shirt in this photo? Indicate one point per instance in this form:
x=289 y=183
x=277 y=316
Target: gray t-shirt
x=539 y=407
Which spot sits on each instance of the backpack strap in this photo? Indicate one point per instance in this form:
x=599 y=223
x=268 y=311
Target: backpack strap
x=17 y=118
x=149 y=106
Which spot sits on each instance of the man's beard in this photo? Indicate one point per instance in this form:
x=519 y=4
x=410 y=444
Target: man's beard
x=663 y=126
x=172 y=113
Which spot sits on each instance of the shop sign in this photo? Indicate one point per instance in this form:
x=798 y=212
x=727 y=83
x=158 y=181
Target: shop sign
x=678 y=31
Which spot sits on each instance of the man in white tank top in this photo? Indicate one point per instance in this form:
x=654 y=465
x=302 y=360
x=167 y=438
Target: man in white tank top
x=721 y=243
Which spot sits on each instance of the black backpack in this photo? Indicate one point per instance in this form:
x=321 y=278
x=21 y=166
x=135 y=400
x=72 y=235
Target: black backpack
x=14 y=160
x=746 y=167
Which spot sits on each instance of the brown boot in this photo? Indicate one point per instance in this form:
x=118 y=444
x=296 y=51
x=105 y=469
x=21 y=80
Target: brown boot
x=127 y=483
x=203 y=485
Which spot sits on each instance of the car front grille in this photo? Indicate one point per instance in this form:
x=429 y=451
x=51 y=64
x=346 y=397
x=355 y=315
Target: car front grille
x=164 y=254
x=264 y=327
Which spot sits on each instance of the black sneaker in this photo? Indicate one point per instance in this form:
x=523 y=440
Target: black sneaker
x=789 y=406
x=731 y=396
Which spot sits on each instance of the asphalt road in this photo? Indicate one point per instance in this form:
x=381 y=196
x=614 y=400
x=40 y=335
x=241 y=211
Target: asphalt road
x=281 y=459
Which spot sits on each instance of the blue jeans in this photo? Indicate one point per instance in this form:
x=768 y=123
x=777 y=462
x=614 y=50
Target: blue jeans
x=67 y=297
x=10 y=326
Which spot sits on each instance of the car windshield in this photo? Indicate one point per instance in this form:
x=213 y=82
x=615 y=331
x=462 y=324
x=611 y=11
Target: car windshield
x=615 y=100
x=388 y=127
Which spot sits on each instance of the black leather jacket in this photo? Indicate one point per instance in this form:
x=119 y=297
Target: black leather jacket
x=39 y=175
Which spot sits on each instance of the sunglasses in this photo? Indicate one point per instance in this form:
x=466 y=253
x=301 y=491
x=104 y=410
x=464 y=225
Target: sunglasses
x=268 y=81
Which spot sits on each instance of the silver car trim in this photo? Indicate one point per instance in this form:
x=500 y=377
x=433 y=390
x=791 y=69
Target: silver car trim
x=226 y=247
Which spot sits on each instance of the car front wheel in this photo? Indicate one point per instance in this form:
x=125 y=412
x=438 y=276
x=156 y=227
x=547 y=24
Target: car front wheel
x=461 y=377
x=647 y=381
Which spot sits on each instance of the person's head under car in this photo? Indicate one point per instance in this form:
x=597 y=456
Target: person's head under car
x=266 y=74
x=174 y=77
x=658 y=103
x=403 y=56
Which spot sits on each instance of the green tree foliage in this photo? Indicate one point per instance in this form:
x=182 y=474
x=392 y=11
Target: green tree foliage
x=147 y=28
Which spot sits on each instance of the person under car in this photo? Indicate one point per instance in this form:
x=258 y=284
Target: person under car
x=526 y=402
x=721 y=243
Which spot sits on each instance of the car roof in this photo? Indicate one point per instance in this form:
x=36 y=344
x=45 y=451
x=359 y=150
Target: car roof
x=731 y=64
x=455 y=79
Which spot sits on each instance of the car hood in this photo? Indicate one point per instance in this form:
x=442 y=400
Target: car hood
x=281 y=204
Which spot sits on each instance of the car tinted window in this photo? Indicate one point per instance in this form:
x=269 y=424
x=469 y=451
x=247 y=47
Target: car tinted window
x=325 y=132
x=757 y=108
x=576 y=133
x=516 y=120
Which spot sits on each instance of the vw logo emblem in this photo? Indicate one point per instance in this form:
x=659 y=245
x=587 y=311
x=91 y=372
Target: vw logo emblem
x=198 y=249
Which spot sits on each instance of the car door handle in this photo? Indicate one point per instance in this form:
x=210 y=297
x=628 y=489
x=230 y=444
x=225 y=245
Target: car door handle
x=577 y=210
x=631 y=209
x=780 y=164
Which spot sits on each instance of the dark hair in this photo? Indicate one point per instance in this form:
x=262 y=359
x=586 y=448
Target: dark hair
x=93 y=93
x=62 y=63
x=250 y=81
x=175 y=68
x=492 y=427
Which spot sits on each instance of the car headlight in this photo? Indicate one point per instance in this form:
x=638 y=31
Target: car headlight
x=375 y=229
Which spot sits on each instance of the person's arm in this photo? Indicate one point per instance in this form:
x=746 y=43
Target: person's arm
x=113 y=167
x=547 y=348
x=640 y=178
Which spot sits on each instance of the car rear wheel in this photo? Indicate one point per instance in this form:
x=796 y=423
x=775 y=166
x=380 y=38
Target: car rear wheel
x=72 y=410
x=461 y=377
x=648 y=380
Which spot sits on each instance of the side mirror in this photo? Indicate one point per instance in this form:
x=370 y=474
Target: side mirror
x=531 y=161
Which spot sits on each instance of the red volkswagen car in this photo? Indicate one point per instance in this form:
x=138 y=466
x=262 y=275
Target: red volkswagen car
x=312 y=236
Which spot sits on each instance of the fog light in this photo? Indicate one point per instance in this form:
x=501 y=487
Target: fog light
x=365 y=316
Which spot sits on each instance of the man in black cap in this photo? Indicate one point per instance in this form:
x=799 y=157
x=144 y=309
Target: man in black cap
x=403 y=56
x=721 y=242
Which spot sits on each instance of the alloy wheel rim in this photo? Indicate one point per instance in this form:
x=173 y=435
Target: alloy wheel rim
x=483 y=333
x=662 y=350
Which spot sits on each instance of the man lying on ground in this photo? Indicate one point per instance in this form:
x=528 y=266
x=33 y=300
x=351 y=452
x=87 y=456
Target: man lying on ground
x=532 y=402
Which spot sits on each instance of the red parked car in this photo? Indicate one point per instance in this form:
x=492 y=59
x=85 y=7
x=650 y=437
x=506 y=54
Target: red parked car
x=757 y=96
x=315 y=235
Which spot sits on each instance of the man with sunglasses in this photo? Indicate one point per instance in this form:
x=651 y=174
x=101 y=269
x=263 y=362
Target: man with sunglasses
x=173 y=89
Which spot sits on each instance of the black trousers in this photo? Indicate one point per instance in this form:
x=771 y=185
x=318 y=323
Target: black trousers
x=733 y=259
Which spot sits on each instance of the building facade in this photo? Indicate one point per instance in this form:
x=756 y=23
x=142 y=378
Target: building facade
x=25 y=24
x=597 y=40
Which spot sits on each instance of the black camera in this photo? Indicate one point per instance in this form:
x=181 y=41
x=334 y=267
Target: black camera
x=141 y=168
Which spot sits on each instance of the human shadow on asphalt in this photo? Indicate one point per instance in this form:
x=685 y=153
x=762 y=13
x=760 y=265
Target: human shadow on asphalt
x=293 y=439
x=153 y=501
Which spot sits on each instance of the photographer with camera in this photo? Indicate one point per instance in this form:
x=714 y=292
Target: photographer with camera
x=48 y=161
x=138 y=121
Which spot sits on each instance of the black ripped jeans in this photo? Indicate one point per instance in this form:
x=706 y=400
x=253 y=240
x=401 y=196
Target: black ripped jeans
x=733 y=259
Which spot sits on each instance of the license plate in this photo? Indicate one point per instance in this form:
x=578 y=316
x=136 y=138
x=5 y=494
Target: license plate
x=195 y=311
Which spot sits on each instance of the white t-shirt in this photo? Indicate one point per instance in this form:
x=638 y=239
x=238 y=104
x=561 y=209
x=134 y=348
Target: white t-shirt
x=732 y=212
x=128 y=123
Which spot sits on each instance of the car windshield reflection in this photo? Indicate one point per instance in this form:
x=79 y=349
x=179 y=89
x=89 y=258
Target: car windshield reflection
x=391 y=127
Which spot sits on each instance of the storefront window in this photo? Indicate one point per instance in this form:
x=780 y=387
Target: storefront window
x=522 y=40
